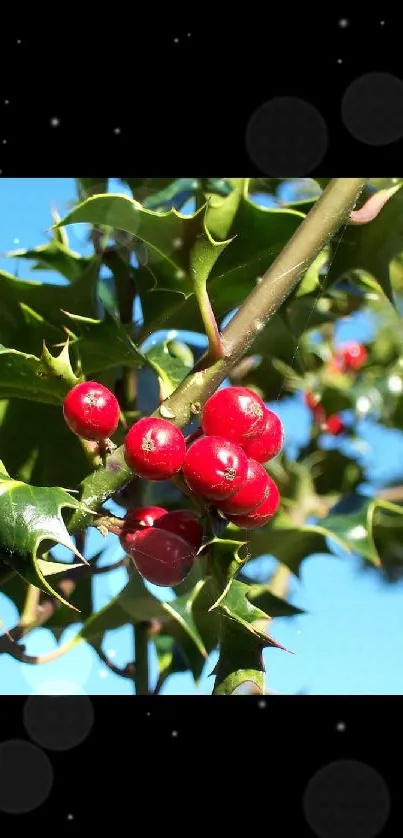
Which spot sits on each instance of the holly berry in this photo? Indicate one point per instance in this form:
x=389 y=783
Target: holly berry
x=354 y=355
x=154 y=448
x=161 y=557
x=333 y=425
x=270 y=441
x=183 y=523
x=143 y=516
x=311 y=400
x=251 y=494
x=235 y=413
x=215 y=468
x=319 y=415
x=91 y=411
x=260 y=516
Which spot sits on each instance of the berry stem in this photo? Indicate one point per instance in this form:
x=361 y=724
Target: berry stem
x=215 y=348
x=141 y=675
x=322 y=221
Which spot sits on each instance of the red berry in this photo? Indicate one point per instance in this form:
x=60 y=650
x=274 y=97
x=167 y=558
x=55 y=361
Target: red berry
x=319 y=415
x=214 y=467
x=311 y=400
x=270 y=441
x=162 y=557
x=91 y=411
x=252 y=493
x=183 y=523
x=154 y=448
x=334 y=425
x=234 y=413
x=143 y=516
x=354 y=355
x=260 y=516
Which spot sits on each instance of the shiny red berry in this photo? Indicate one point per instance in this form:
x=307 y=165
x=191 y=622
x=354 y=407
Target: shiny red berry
x=143 y=516
x=270 y=442
x=215 y=468
x=234 y=413
x=333 y=425
x=254 y=491
x=260 y=516
x=183 y=523
x=91 y=411
x=161 y=557
x=154 y=448
x=354 y=355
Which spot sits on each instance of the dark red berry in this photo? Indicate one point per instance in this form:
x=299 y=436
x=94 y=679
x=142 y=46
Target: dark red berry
x=354 y=355
x=215 y=467
x=91 y=411
x=260 y=516
x=333 y=425
x=183 y=523
x=251 y=494
x=311 y=400
x=234 y=413
x=154 y=448
x=161 y=557
x=143 y=516
x=319 y=415
x=270 y=441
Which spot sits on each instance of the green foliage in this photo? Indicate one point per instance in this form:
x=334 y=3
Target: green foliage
x=54 y=335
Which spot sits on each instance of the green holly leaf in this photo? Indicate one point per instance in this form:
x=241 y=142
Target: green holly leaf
x=263 y=597
x=88 y=186
x=102 y=344
x=46 y=379
x=227 y=557
x=289 y=544
x=54 y=256
x=170 y=369
x=48 y=302
x=29 y=516
x=371 y=247
x=221 y=211
x=355 y=531
x=243 y=639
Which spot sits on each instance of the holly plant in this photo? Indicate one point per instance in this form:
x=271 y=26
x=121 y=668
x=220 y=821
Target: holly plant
x=113 y=420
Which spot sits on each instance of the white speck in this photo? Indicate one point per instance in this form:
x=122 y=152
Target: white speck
x=339 y=60
x=259 y=279
x=148 y=714
x=262 y=704
x=199 y=378
x=70 y=817
x=177 y=242
x=6 y=101
x=357 y=532
x=189 y=34
x=176 y=40
x=174 y=733
x=103 y=673
x=180 y=274
x=299 y=631
x=111 y=653
x=341 y=726
x=19 y=41
x=395 y=384
x=166 y=411
x=343 y=23
x=55 y=122
x=117 y=130
x=16 y=241
x=172 y=334
x=382 y=22
x=259 y=325
x=4 y=142
x=363 y=405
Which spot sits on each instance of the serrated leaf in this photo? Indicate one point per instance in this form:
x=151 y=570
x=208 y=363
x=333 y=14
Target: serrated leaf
x=23 y=375
x=355 y=531
x=288 y=543
x=30 y=515
x=261 y=596
x=170 y=370
x=227 y=557
x=221 y=211
x=54 y=256
x=102 y=344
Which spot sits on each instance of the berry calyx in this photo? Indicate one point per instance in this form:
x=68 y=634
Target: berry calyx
x=353 y=354
x=235 y=413
x=215 y=468
x=143 y=516
x=270 y=442
x=183 y=523
x=251 y=494
x=91 y=411
x=161 y=557
x=333 y=425
x=264 y=512
x=154 y=448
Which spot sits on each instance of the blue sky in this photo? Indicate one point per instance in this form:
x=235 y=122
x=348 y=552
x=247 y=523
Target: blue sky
x=351 y=638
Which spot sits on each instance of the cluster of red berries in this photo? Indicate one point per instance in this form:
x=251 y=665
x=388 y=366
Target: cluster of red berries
x=350 y=357
x=332 y=424
x=223 y=466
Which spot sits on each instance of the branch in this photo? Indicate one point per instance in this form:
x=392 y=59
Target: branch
x=323 y=220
